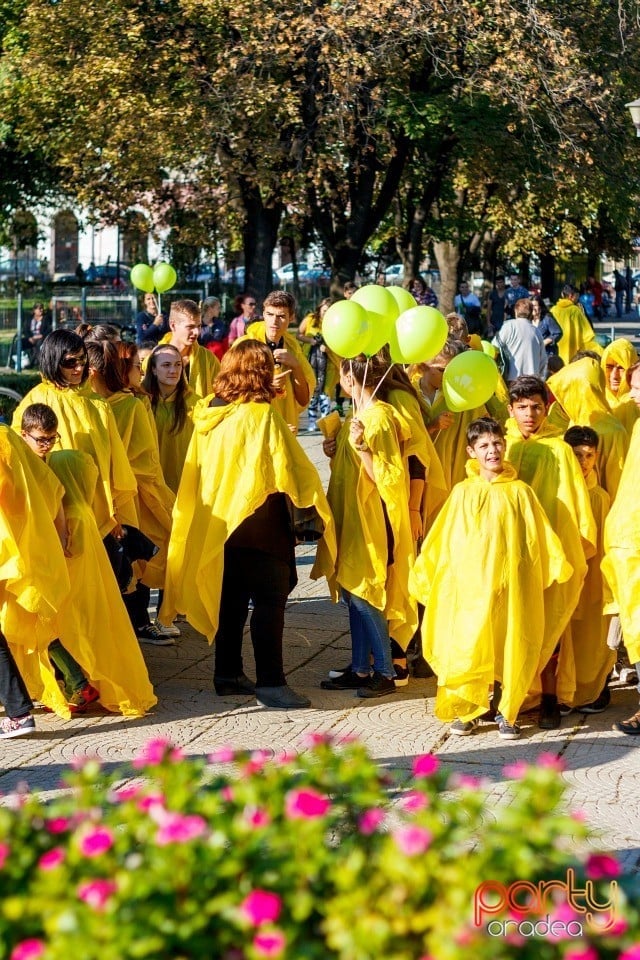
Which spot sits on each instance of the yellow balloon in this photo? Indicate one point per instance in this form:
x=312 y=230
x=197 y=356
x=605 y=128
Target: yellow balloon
x=469 y=380
x=422 y=332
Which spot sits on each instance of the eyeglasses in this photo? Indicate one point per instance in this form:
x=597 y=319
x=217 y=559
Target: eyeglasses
x=250 y=303
x=44 y=441
x=70 y=363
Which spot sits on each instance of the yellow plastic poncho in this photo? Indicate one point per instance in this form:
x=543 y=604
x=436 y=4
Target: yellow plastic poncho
x=203 y=365
x=579 y=389
x=623 y=354
x=621 y=563
x=240 y=454
x=577 y=332
x=549 y=466
x=155 y=500
x=173 y=446
x=287 y=405
x=592 y=657
x=482 y=575
x=332 y=374
x=419 y=444
x=34 y=582
x=356 y=502
x=88 y=425
x=92 y=623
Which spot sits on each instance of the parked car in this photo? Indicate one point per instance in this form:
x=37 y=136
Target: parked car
x=22 y=268
x=394 y=274
x=237 y=276
x=105 y=274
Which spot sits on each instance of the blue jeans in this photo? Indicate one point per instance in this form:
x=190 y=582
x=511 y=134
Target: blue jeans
x=369 y=635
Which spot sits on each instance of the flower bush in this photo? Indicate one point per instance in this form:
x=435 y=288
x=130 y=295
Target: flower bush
x=314 y=855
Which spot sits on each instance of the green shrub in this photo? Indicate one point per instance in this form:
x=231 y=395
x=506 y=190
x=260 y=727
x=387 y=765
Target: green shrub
x=21 y=383
x=311 y=856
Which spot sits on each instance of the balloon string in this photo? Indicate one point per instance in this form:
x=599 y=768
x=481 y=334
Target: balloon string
x=378 y=384
x=354 y=402
x=436 y=436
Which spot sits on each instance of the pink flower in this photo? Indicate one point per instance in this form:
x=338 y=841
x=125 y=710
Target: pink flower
x=178 y=828
x=565 y=914
x=256 y=817
x=311 y=740
x=146 y=804
x=28 y=950
x=261 y=906
x=122 y=794
x=257 y=761
x=96 y=842
x=269 y=944
x=581 y=953
x=306 y=804
x=465 y=781
x=426 y=765
x=414 y=801
x=222 y=755
x=517 y=770
x=370 y=820
x=4 y=853
x=580 y=816
x=227 y=794
x=51 y=859
x=551 y=761
x=57 y=824
x=632 y=953
x=95 y=893
x=412 y=840
x=601 y=866
x=155 y=751
x=617 y=928
x=285 y=757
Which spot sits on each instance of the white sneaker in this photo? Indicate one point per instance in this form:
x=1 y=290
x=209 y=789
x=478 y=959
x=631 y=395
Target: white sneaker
x=170 y=631
x=151 y=634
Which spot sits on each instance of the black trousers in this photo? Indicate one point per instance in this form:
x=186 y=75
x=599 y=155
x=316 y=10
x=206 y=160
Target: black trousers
x=13 y=692
x=265 y=580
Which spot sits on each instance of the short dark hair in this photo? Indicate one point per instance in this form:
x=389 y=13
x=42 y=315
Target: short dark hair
x=554 y=363
x=581 y=437
x=481 y=426
x=568 y=290
x=54 y=348
x=581 y=354
x=39 y=416
x=280 y=298
x=524 y=388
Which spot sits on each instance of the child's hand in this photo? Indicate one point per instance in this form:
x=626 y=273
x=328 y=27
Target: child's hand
x=444 y=420
x=329 y=447
x=415 y=519
x=356 y=432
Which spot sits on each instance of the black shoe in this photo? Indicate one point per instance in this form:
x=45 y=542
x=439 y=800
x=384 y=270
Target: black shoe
x=598 y=705
x=549 y=717
x=334 y=674
x=349 y=680
x=281 y=698
x=377 y=686
x=420 y=669
x=228 y=686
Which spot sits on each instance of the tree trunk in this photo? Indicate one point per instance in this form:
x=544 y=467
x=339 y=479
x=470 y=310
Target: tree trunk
x=259 y=237
x=447 y=256
x=547 y=276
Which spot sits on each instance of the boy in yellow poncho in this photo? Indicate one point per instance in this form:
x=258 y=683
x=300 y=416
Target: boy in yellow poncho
x=579 y=390
x=230 y=541
x=593 y=658
x=491 y=533
x=617 y=358
x=368 y=497
x=92 y=623
x=577 y=332
x=34 y=582
x=294 y=379
x=621 y=563
x=544 y=461
x=201 y=367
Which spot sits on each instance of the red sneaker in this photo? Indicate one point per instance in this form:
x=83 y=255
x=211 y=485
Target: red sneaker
x=81 y=699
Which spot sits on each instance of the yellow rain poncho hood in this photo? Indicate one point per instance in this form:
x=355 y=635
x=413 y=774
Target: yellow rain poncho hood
x=356 y=502
x=621 y=564
x=577 y=332
x=579 y=389
x=239 y=455
x=496 y=537
x=624 y=408
x=287 y=405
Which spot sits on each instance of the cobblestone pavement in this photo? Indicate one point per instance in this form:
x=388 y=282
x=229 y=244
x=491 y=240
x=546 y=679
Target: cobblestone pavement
x=601 y=765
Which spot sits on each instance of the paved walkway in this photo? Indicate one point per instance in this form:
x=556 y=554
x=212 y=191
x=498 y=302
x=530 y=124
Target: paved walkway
x=602 y=767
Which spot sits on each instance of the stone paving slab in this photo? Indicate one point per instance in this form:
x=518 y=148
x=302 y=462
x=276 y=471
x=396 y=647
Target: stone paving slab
x=602 y=767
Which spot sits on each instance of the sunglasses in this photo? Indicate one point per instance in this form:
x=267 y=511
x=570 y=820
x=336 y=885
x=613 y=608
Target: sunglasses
x=70 y=363
x=44 y=441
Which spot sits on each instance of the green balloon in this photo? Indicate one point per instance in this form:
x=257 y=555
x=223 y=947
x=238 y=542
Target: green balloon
x=469 y=380
x=394 y=347
x=142 y=277
x=377 y=300
x=380 y=332
x=404 y=299
x=345 y=328
x=422 y=332
x=164 y=276
x=489 y=349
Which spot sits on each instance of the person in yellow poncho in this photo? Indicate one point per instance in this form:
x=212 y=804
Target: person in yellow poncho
x=92 y=623
x=368 y=497
x=323 y=361
x=232 y=538
x=579 y=390
x=621 y=563
x=294 y=379
x=491 y=534
x=617 y=358
x=577 y=332
x=34 y=582
x=85 y=425
x=201 y=367
x=173 y=404
x=589 y=625
x=544 y=461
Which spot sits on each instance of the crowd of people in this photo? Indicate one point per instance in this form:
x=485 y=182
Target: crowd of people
x=497 y=548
